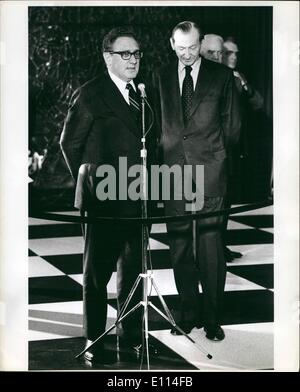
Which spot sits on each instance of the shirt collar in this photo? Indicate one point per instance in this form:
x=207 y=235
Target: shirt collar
x=121 y=84
x=195 y=66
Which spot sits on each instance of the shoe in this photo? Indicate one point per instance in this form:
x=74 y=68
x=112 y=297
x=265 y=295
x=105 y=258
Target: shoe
x=97 y=354
x=215 y=333
x=230 y=255
x=235 y=255
x=186 y=327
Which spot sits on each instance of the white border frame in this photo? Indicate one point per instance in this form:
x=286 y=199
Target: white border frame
x=13 y=170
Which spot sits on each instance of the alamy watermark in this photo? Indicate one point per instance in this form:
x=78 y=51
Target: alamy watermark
x=166 y=183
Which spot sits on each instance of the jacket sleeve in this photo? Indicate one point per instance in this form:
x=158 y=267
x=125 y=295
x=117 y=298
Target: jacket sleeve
x=76 y=128
x=255 y=100
x=253 y=97
x=230 y=112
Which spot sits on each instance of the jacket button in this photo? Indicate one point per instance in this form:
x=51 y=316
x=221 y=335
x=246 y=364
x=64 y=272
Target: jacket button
x=184 y=137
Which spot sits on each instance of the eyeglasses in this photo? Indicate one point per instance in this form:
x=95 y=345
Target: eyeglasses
x=215 y=52
x=126 y=55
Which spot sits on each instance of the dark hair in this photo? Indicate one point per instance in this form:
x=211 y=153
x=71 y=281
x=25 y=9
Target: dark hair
x=114 y=34
x=187 y=26
x=230 y=39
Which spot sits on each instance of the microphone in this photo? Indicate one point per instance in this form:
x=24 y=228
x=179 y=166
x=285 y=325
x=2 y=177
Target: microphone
x=141 y=87
x=142 y=90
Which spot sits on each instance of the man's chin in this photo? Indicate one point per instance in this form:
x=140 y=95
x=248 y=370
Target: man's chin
x=188 y=62
x=132 y=74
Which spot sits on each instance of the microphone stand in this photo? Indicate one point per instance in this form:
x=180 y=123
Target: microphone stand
x=145 y=236
x=146 y=276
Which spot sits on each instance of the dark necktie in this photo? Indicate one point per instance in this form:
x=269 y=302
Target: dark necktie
x=133 y=102
x=187 y=94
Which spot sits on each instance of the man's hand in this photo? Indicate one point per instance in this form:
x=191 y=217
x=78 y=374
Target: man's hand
x=238 y=75
x=243 y=81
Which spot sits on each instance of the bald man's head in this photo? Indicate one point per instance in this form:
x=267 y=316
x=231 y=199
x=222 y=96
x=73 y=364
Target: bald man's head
x=212 y=47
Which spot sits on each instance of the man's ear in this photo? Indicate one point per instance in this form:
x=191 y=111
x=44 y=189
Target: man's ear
x=172 y=43
x=107 y=58
x=200 y=49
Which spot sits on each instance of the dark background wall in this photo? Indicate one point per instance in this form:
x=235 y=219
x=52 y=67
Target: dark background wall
x=65 y=52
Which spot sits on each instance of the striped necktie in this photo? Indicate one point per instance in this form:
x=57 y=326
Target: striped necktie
x=133 y=102
x=187 y=94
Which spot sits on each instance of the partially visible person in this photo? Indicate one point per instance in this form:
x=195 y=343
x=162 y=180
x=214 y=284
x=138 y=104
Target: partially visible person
x=249 y=97
x=230 y=58
x=212 y=47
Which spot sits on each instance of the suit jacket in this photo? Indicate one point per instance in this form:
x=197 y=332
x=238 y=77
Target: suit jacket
x=251 y=101
x=99 y=129
x=213 y=126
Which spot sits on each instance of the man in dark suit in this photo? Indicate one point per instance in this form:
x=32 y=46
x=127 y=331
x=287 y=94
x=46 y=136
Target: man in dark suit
x=200 y=120
x=214 y=49
x=250 y=101
x=102 y=125
x=246 y=91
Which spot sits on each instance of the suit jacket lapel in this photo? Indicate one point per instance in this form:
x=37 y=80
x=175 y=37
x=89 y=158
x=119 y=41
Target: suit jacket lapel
x=172 y=86
x=116 y=101
x=202 y=86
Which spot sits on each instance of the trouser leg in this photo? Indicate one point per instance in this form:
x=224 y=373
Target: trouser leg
x=129 y=268
x=102 y=247
x=210 y=255
x=186 y=274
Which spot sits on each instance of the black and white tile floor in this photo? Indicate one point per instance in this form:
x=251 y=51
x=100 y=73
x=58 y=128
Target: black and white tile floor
x=55 y=300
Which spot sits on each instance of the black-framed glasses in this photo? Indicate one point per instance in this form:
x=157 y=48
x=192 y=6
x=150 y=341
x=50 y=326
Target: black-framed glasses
x=126 y=55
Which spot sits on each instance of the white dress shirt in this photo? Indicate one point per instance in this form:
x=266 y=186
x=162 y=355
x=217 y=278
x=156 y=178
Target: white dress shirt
x=194 y=73
x=121 y=85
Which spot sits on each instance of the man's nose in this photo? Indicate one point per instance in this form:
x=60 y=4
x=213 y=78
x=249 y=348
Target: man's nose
x=215 y=55
x=132 y=59
x=187 y=52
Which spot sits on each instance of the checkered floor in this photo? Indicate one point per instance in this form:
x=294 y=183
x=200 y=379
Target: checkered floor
x=55 y=297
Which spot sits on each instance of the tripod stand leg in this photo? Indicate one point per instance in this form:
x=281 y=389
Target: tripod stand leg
x=119 y=318
x=96 y=340
x=146 y=331
x=172 y=322
x=170 y=318
x=128 y=313
x=128 y=299
x=166 y=309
